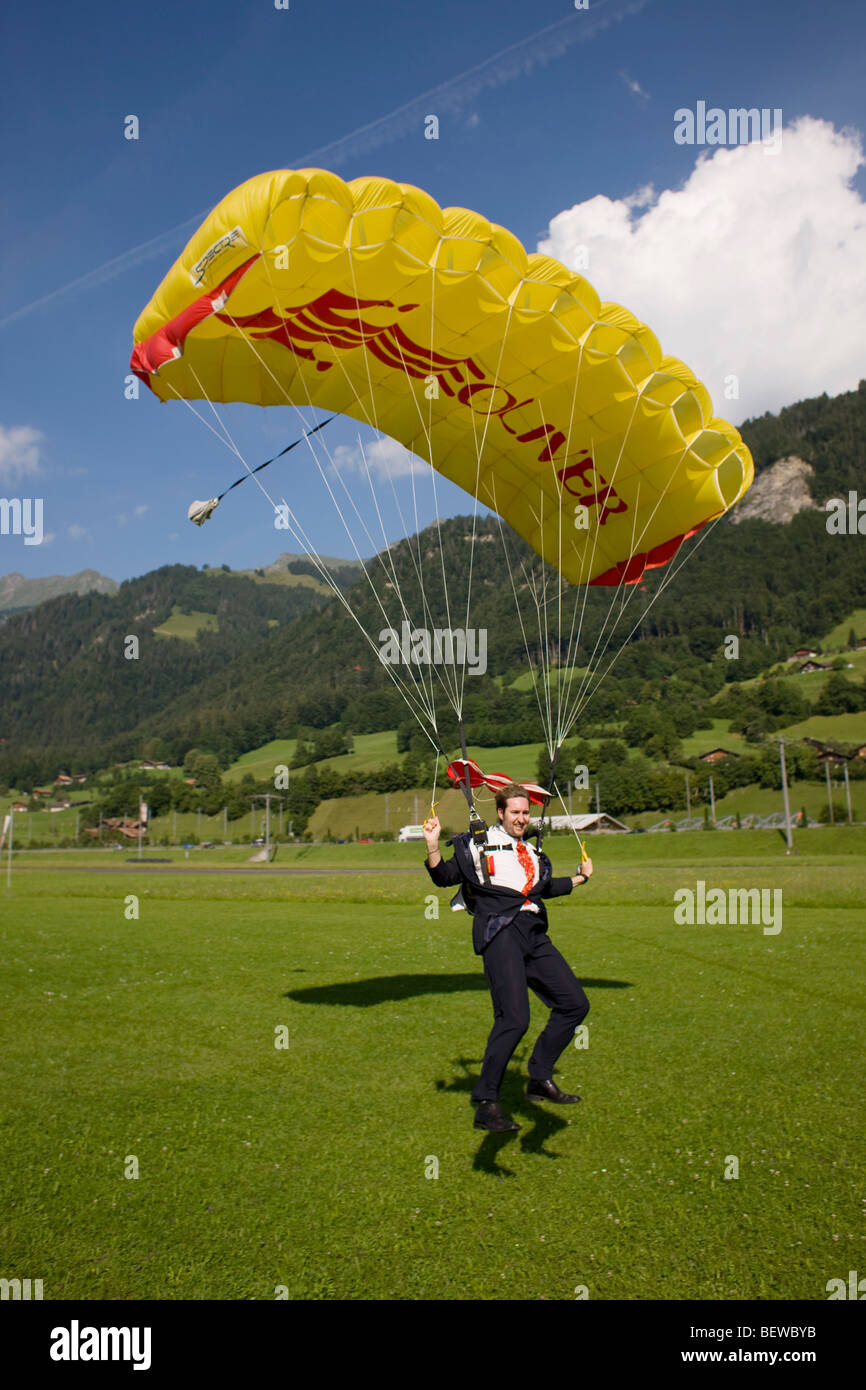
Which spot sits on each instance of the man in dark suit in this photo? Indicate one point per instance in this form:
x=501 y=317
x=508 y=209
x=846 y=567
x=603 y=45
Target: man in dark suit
x=503 y=882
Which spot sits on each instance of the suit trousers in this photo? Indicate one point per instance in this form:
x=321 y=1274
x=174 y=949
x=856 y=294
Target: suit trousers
x=519 y=958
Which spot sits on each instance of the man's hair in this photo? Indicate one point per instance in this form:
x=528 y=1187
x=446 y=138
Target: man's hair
x=505 y=794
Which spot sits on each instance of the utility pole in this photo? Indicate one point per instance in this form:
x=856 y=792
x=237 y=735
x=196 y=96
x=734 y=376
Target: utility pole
x=712 y=800
x=688 y=799
x=267 y=798
x=386 y=810
x=829 y=790
x=848 y=794
x=225 y=821
x=9 y=859
x=569 y=799
x=597 y=802
x=788 y=834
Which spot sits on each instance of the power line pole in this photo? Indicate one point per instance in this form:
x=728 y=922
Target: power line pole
x=712 y=800
x=829 y=790
x=267 y=798
x=788 y=836
x=688 y=799
x=848 y=794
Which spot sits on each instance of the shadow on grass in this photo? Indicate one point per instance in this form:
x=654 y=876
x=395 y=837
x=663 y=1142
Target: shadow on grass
x=383 y=989
x=514 y=1101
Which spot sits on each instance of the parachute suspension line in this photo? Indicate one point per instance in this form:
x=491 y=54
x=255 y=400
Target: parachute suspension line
x=224 y=438
x=433 y=474
x=583 y=854
x=580 y=700
x=426 y=704
x=408 y=692
x=479 y=451
x=375 y=424
x=410 y=695
x=516 y=598
x=300 y=537
x=435 y=780
x=669 y=575
x=623 y=592
x=567 y=725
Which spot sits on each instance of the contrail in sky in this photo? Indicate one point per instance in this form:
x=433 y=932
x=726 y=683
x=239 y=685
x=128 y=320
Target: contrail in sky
x=517 y=60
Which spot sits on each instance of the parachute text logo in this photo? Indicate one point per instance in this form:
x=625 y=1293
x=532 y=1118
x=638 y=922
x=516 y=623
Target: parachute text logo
x=604 y=497
x=336 y=319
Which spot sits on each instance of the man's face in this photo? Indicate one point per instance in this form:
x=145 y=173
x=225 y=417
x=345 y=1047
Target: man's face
x=515 y=817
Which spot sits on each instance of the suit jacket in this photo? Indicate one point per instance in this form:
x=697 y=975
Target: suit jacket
x=494 y=908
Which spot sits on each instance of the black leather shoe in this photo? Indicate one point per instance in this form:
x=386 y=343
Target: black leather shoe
x=548 y=1090
x=489 y=1116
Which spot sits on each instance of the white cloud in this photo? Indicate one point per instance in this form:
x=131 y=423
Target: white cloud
x=142 y=508
x=19 y=451
x=76 y=532
x=756 y=267
x=634 y=87
x=385 y=458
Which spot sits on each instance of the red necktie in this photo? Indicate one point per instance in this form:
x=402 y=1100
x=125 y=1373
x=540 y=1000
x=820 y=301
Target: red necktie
x=526 y=864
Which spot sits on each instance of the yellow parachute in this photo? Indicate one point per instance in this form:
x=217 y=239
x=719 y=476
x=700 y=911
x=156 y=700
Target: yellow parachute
x=504 y=370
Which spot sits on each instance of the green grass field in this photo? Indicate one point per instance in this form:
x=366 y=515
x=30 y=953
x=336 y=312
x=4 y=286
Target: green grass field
x=148 y=1044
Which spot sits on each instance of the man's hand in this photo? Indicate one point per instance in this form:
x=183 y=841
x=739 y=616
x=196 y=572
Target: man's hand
x=585 y=870
x=431 y=838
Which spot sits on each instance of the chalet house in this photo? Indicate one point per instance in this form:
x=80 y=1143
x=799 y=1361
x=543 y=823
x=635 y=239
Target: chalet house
x=61 y=780
x=859 y=752
x=594 y=820
x=130 y=828
x=802 y=654
x=43 y=791
x=716 y=755
x=809 y=666
x=19 y=805
x=826 y=754
x=147 y=765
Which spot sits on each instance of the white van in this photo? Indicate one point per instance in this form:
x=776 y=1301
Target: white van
x=411 y=832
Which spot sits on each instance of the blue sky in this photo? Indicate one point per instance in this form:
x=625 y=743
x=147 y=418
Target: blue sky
x=558 y=123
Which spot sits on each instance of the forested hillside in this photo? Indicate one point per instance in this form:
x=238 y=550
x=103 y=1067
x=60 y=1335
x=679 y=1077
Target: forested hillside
x=279 y=661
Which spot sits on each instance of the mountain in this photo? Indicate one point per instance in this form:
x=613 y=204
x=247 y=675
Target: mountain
x=17 y=594
x=275 y=657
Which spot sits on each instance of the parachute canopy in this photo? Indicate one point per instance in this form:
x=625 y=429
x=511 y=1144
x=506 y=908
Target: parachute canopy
x=504 y=370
